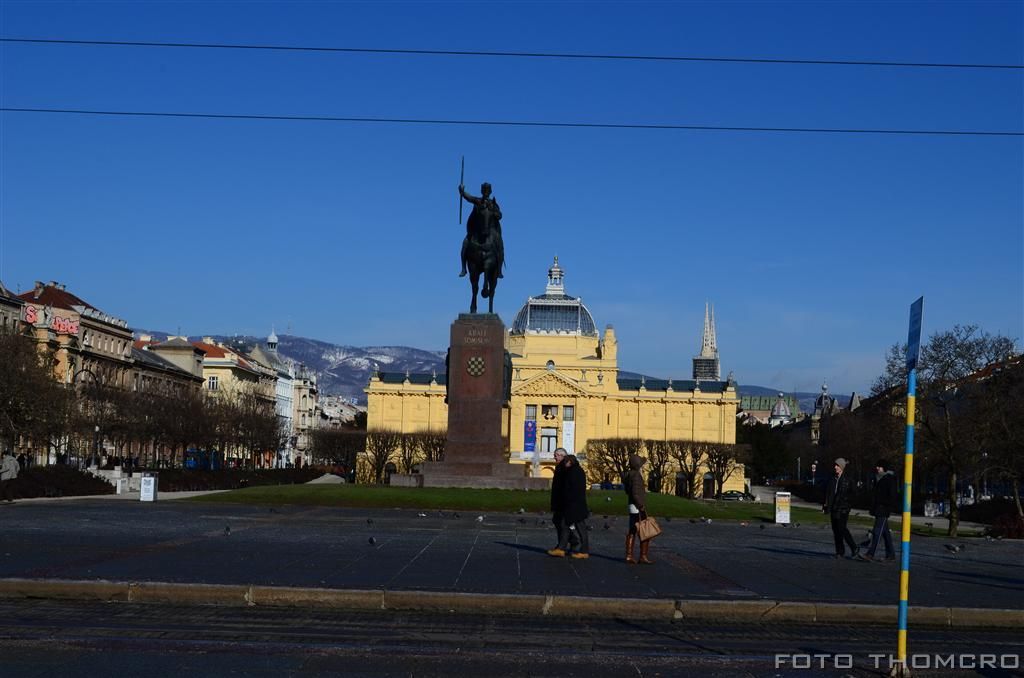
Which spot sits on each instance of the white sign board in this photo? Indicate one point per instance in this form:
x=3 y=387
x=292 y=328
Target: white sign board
x=148 y=492
x=569 y=436
x=782 y=504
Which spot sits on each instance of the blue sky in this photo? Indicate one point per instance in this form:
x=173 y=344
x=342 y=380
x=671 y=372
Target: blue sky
x=811 y=246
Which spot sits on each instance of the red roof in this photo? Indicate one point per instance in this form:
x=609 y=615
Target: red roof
x=214 y=351
x=49 y=295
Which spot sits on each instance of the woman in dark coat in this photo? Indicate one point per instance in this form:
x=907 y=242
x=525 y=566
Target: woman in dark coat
x=637 y=496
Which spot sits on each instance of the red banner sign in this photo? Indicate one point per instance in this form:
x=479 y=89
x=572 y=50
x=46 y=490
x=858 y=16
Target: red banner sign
x=45 y=318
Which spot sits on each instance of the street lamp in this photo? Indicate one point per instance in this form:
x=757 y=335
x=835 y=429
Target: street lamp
x=96 y=446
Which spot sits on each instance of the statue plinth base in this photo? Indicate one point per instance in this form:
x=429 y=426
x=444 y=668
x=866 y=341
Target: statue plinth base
x=475 y=454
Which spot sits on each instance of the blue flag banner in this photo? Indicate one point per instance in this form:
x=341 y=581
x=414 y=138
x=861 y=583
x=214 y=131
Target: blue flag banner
x=529 y=436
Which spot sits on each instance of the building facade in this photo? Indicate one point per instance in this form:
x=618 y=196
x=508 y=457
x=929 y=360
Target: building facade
x=86 y=345
x=566 y=390
x=284 y=396
x=10 y=311
x=227 y=372
x=304 y=417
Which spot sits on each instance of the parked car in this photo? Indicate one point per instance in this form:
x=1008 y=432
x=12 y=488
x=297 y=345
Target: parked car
x=736 y=495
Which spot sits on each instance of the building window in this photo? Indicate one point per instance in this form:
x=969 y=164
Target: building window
x=531 y=413
x=211 y=383
x=548 y=439
x=549 y=412
x=551 y=366
x=569 y=413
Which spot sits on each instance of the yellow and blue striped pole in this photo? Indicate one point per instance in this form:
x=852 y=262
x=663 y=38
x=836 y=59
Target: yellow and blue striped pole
x=913 y=349
x=908 y=477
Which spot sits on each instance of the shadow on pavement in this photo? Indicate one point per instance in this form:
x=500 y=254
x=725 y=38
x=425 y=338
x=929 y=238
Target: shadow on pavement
x=794 y=552
x=543 y=552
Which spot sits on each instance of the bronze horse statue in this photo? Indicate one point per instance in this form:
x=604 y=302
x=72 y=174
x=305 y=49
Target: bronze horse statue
x=483 y=251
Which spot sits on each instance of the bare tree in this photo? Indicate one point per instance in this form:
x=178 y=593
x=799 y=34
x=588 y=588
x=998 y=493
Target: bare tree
x=1002 y=419
x=433 y=444
x=410 y=451
x=339 y=446
x=722 y=462
x=691 y=457
x=659 y=465
x=381 y=446
x=610 y=456
x=33 y=407
x=947 y=403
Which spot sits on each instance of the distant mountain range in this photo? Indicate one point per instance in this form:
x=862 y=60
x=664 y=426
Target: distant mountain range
x=345 y=370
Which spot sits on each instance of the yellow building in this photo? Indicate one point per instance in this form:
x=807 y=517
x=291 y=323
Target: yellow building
x=566 y=390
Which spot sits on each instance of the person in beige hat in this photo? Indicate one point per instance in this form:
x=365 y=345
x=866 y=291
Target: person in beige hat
x=837 y=504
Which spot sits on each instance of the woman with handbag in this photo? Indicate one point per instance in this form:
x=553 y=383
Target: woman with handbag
x=637 y=496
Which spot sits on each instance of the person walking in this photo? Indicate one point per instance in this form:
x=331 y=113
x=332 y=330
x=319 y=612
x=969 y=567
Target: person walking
x=575 y=510
x=8 y=472
x=636 y=494
x=883 y=502
x=558 y=500
x=837 y=505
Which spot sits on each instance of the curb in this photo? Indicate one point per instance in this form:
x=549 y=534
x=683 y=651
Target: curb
x=655 y=609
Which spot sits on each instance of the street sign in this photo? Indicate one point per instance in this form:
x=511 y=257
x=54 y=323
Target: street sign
x=913 y=352
x=914 y=335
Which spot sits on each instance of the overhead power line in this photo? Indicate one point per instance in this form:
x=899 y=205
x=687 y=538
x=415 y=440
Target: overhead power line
x=514 y=123
x=532 y=55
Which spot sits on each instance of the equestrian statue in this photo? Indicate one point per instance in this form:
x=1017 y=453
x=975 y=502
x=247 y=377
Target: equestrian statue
x=483 y=251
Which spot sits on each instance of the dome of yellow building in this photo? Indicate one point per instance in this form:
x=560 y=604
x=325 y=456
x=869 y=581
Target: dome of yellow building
x=554 y=312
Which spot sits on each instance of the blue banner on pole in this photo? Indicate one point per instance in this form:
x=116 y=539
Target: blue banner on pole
x=914 y=335
x=529 y=436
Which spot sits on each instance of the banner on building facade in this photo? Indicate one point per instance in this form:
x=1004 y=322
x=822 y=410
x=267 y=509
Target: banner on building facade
x=529 y=436
x=569 y=436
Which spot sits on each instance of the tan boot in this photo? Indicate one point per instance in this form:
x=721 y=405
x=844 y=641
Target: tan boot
x=630 y=540
x=645 y=546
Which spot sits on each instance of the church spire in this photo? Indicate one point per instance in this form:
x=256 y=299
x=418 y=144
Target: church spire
x=706 y=366
x=709 y=345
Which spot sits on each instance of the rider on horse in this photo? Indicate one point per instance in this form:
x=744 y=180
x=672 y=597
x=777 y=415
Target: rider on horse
x=485 y=223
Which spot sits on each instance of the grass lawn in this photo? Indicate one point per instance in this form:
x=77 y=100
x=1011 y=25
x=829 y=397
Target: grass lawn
x=501 y=501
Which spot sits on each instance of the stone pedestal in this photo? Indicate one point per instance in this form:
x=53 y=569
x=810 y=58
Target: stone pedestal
x=475 y=454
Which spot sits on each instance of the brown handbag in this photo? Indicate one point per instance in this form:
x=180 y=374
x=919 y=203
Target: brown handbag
x=648 y=528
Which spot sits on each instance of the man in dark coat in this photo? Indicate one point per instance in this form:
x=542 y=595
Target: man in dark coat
x=837 y=504
x=883 y=502
x=558 y=499
x=575 y=510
